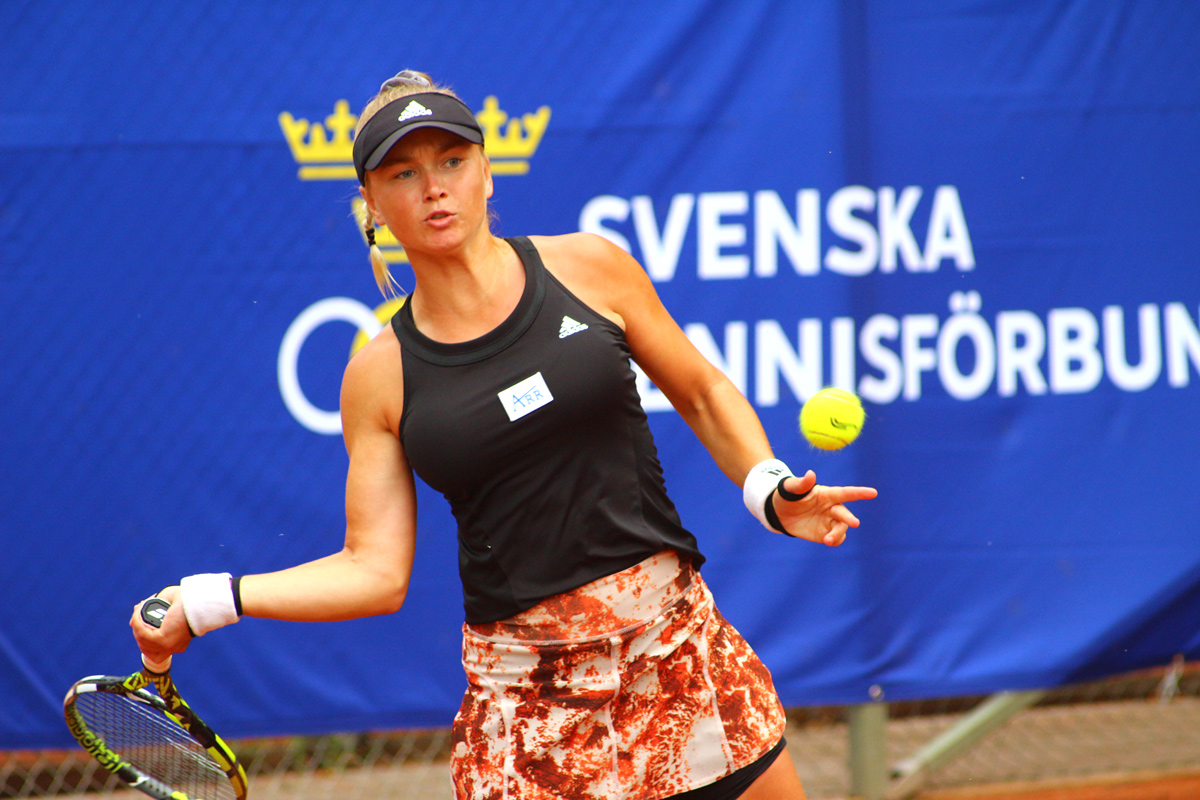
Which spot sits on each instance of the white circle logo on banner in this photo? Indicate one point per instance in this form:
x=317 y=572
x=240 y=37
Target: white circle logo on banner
x=331 y=309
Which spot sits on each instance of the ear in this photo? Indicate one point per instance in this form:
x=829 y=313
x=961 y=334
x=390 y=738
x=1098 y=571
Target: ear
x=366 y=196
x=487 y=174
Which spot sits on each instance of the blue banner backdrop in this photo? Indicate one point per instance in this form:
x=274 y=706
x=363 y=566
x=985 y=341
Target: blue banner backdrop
x=980 y=216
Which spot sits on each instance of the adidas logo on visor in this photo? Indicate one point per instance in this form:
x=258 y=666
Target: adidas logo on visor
x=414 y=109
x=570 y=326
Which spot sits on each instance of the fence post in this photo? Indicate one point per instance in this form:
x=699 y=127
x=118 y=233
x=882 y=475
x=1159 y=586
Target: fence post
x=912 y=773
x=868 y=750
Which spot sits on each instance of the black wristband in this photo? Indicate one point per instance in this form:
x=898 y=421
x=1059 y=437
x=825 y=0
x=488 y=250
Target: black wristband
x=772 y=517
x=236 y=585
x=791 y=497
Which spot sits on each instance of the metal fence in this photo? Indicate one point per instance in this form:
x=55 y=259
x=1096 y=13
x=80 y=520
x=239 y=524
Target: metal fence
x=1132 y=725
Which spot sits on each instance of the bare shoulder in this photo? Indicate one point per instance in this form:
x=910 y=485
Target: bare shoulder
x=581 y=252
x=594 y=269
x=373 y=384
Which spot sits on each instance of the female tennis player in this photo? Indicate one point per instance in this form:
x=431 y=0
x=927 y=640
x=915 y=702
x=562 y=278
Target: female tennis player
x=597 y=664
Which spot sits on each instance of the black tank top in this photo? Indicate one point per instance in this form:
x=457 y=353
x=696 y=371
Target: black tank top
x=536 y=436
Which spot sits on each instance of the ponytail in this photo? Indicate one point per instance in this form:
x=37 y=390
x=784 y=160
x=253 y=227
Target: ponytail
x=388 y=286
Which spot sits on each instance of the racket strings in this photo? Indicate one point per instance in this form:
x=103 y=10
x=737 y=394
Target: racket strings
x=154 y=744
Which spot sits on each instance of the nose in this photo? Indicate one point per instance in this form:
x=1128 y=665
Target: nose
x=433 y=187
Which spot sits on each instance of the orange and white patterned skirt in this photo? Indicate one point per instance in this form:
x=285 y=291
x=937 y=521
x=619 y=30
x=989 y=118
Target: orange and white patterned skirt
x=632 y=686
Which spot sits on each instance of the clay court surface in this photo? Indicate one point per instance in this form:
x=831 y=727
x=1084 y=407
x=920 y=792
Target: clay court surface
x=1129 y=750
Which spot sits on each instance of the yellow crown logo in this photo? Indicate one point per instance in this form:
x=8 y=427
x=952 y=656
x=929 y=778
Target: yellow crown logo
x=510 y=146
x=326 y=152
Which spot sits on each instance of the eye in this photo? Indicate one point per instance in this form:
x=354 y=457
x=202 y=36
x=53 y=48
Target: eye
x=404 y=174
x=453 y=161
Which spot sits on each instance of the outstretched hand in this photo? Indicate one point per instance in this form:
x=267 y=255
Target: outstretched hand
x=821 y=515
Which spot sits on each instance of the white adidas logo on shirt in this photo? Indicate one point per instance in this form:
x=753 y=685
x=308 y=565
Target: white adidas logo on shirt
x=570 y=326
x=414 y=109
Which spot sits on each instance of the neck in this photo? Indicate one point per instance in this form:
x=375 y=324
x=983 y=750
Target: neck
x=463 y=294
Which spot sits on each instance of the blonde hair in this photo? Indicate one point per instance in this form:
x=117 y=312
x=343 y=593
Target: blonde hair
x=404 y=83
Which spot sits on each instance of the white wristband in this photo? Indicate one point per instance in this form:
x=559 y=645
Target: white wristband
x=760 y=485
x=208 y=602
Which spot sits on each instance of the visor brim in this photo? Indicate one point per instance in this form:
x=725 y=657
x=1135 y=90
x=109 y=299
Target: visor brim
x=384 y=147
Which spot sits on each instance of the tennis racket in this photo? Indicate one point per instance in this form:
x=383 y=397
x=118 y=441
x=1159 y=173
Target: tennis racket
x=152 y=742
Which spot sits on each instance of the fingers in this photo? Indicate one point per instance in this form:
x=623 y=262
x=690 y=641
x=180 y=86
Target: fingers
x=836 y=536
x=821 y=515
x=158 y=644
x=801 y=484
x=848 y=494
x=843 y=520
x=145 y=635
x=136 y=622
x=843 y=515
x=833 y=494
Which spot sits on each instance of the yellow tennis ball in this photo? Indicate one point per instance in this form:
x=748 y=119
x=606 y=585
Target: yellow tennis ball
x=832 y=419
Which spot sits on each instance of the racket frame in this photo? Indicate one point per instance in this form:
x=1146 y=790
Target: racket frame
x=169 y=702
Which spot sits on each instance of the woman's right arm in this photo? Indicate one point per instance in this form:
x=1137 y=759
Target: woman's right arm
x=370 y=574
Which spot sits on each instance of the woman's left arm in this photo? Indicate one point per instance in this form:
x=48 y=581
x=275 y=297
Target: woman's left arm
x=720 y=416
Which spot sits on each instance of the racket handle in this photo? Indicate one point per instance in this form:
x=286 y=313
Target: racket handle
x=153 y=611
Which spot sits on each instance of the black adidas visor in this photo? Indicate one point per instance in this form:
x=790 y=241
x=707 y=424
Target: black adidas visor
x=404 y=115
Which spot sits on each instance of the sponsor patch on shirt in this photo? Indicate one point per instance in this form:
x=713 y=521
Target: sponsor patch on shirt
x=570 y=326
x=526 y=396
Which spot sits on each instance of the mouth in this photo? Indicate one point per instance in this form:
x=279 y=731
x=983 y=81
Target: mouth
x=438 y=216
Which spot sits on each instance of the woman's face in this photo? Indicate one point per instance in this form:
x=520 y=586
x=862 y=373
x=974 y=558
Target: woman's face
x=431 y=190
